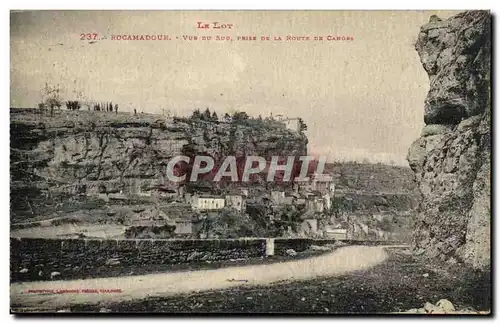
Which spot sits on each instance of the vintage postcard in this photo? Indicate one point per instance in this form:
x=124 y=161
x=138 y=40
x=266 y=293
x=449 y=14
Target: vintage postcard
x=260 y=162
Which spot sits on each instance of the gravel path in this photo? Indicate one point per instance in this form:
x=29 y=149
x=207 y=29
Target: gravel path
x=62 y=293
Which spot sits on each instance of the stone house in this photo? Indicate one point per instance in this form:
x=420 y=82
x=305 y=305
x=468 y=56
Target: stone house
x=328 y=201
x=308 y=227
x=183 y=226
x=277 y=197
x=335 y=233
x=236 y=201
x=315 y=204
x=208 y=202
x=322 y=183
x=164 y=192
x=292 y=124
x=300 y=201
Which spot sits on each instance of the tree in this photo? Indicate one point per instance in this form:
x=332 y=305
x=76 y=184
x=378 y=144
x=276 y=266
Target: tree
x=52 y=103
x=196 y=114
x=290 y=216
x=73 y=105
x=231 y=224
x=206 y=115
x=240 y=116
x=116 y=108
x=51 y=98
x=302 y=125
x=102 y=188
x=214 y=117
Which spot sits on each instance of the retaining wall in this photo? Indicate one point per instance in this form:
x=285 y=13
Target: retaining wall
x=37 y=258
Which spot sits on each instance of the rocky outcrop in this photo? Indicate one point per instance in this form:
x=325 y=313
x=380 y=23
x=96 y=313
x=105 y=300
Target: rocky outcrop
x=451 y=159
x=443 y=306
x=88 y=154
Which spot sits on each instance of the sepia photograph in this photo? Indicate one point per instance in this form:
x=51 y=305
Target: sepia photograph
x=304 y=162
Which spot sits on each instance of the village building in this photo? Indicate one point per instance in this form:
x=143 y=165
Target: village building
x=183 y=227
x=281 y=121
x=188 y=198
x=328 y=201
x=277 y=197
x=103 y=196
x=293 y=198
x=308 y=227
x=300 y=201
x=335 y=233
x=164 y=192
x=315 y=204
x=322 y=183
x=236 y=201
x=207 y=202
x=292 y=124
x=135 y=188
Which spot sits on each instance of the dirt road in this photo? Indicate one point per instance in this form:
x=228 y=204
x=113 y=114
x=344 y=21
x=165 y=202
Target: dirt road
x=341 y=261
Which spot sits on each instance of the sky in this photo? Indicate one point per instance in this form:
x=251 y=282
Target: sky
x=363 y=100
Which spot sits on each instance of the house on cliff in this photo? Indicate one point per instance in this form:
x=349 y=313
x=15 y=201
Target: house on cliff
x=281 y=121
x=292 y=124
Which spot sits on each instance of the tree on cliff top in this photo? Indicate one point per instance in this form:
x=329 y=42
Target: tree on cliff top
x=302 y=125
x=196 y=114
x=240 y=116
x=51 y=98
x=207 y=115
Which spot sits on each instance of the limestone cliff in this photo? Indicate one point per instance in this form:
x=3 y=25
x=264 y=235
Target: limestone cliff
x=71 y=154
x=451 y=159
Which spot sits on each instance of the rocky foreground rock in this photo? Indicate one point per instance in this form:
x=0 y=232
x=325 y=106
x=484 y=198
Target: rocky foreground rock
x=451 y=159
x=443 y=306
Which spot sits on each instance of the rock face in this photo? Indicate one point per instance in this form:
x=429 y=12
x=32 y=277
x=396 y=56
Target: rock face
x=93 y=154
x=451 y=159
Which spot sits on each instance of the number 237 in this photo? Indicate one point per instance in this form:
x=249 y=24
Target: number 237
x=88 y=36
